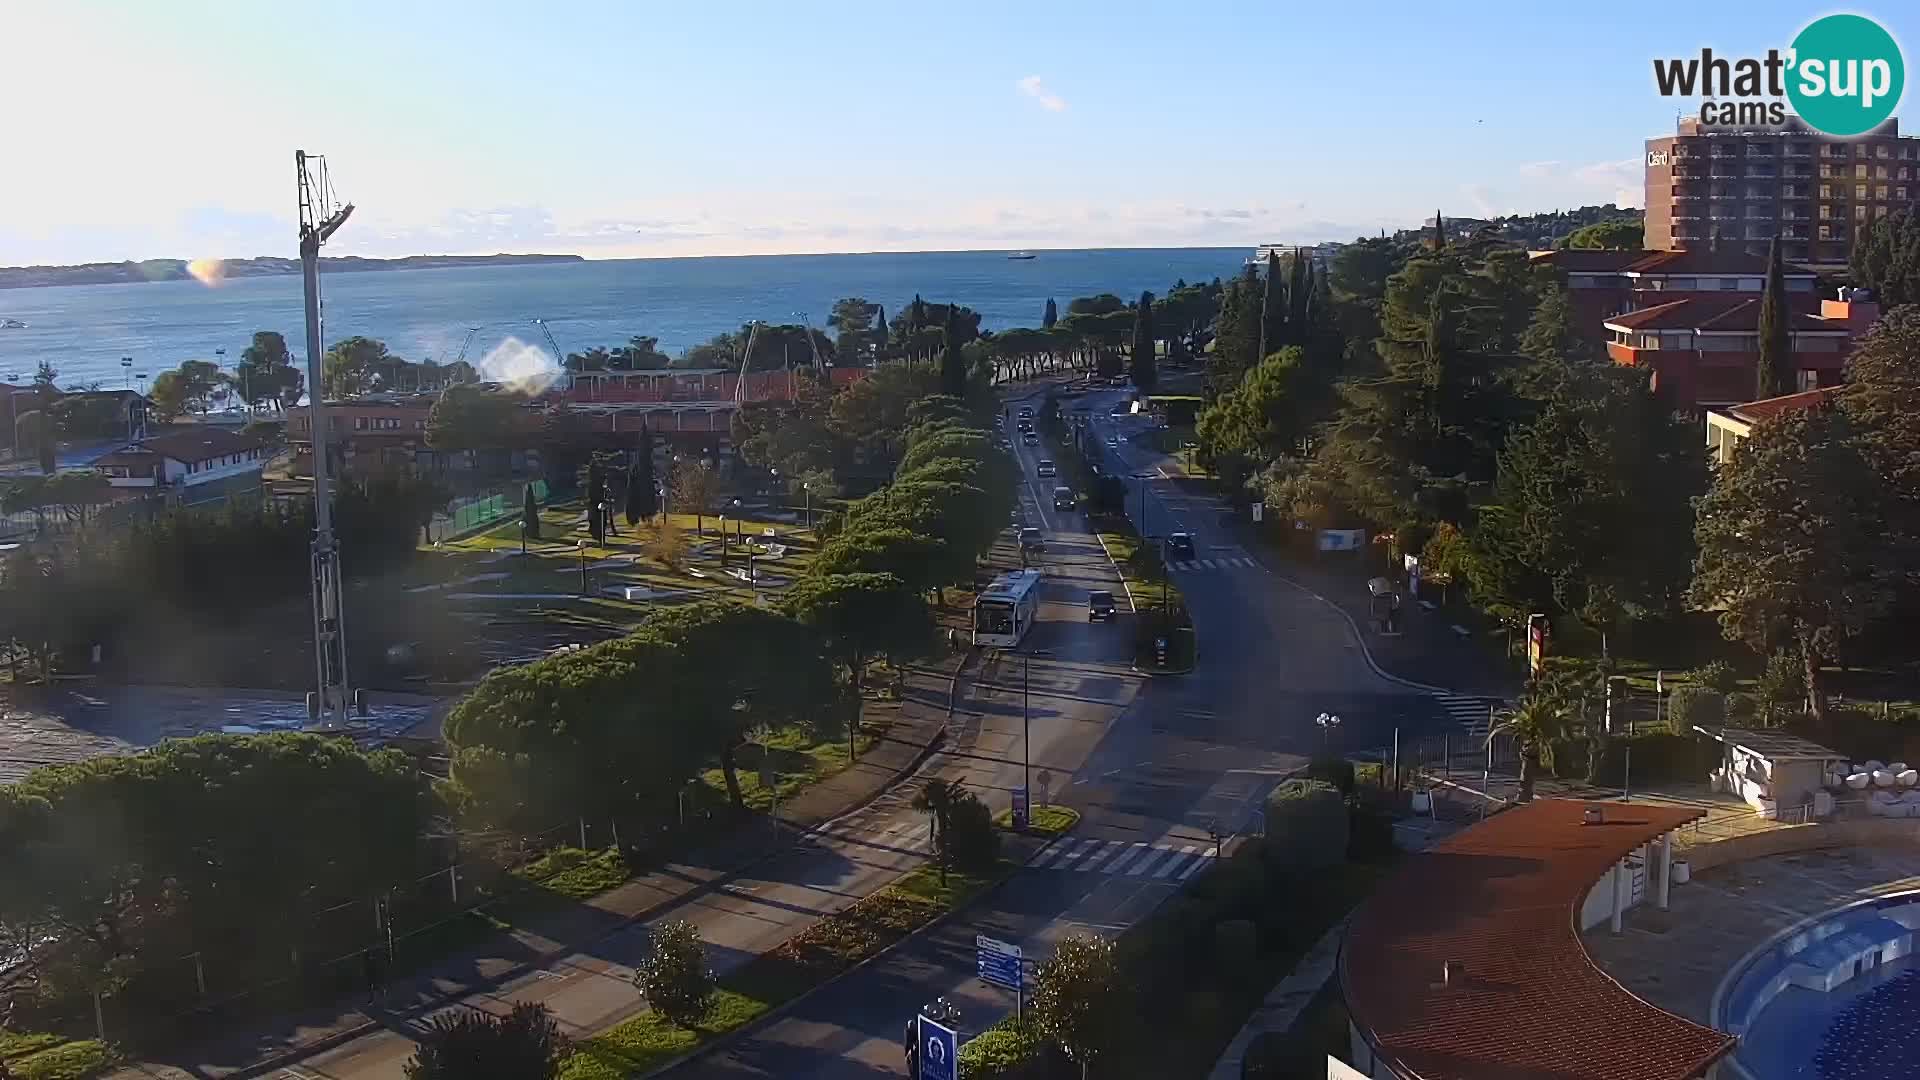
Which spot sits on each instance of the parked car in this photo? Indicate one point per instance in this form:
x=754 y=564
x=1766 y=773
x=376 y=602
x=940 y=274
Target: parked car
x=1099 y=605
x=1179 y=547
x=1045 y=468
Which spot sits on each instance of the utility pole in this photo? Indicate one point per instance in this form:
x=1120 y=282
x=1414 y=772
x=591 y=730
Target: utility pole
x=318 y=221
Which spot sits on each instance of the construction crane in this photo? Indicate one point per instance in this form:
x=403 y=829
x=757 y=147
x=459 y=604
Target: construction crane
x=332 y=699
x=740 y=384
x=467 y=344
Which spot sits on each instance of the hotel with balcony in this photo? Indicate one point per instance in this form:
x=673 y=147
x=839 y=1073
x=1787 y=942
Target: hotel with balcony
x=1736 y=190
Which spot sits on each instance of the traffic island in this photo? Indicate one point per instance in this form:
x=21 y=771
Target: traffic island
x=765 y=986
x=1047 y=819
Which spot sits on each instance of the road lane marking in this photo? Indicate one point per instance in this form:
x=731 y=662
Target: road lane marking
x=1052 y=855
x=1107 y=849
x=1086 y=847
x=1206 y=857
x=1141 y=868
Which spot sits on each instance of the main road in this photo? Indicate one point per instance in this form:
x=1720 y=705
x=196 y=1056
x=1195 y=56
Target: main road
x=1153 y=772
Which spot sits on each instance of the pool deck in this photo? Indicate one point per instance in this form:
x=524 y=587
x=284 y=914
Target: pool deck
x=1677 y=958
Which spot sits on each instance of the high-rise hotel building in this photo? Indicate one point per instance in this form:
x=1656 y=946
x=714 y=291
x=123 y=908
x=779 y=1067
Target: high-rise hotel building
x=1735 y=190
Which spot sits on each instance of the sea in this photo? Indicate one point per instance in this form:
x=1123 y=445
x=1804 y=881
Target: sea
x=87 y=330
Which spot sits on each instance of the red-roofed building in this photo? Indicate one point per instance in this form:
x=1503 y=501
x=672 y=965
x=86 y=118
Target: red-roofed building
x=1728 y=427
x=1702 y=352
x=1602 y=284
x=196 y=463
x=1468 y=964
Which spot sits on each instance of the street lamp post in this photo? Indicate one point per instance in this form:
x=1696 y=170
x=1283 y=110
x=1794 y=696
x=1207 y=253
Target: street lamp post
x=13 y=414
x=806 y=492
x=723 y=540
x=1328 y=723
x=126 y=373
x=582 y=546
x=1026 y=725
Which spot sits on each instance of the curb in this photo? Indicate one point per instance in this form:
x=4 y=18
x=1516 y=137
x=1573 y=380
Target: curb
x=778 y=1011
x=347 y=1035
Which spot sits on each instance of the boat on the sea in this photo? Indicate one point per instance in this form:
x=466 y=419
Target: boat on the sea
x=1021 y=255
x=12 y=324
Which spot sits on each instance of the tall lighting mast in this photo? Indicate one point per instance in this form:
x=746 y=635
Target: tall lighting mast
x=319 y=219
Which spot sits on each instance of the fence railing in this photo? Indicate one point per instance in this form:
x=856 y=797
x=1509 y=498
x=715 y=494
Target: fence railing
x=479 y=511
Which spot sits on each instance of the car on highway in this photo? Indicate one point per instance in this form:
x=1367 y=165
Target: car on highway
x=1179 y=547
x=1113 y=441
x=1026 y=412
x=1031 y=541
x=1045 y=468
x=1063 y=499
x=1030 y=439
x=1099 y=605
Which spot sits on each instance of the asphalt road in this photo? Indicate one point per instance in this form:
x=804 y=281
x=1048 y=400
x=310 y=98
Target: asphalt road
x=1171 y=763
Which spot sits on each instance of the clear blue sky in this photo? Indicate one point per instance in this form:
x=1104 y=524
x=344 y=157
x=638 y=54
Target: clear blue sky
x=622 y=129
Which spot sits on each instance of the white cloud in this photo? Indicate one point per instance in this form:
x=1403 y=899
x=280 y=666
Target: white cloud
x=1539 y=170
x=1619 y=181
x=1033 y=87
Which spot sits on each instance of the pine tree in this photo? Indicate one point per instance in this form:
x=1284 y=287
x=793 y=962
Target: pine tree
x=1145 y=375
x=1273 y=311
x=1052 y=316
x=1776 y=374
x=1297 y=293
x=1236 y=337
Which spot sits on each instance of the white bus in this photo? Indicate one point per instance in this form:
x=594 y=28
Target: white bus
x=1004 y=613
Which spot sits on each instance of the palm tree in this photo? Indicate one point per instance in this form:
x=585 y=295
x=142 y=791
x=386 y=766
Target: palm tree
x=937 y=797
x=1539 y=722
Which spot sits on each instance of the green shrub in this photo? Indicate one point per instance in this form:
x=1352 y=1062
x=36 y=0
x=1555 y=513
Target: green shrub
x=1690 y=705
x=1337 y=771
x=1306 y=825
x=1369 y=833
x=1659 y=757
x=974 y=842
x=1008 y=1050
x=1782 y=686
x=1236 y=949
x=1715 y=675
x=675 y=977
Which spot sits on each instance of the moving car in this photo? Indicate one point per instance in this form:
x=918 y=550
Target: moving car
x=1031 y=540
x=1113 y=441
x=1099 y=605
x=1045 y=468
x=1179 y=547
x=1030 y=438
x=1026 y=412
x=1063 y=499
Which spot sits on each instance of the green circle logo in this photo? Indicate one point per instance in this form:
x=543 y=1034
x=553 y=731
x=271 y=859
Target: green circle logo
x=1845 y=75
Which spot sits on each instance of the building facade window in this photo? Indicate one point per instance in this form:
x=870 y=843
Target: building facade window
x=1859 y=191
x=1859 y=171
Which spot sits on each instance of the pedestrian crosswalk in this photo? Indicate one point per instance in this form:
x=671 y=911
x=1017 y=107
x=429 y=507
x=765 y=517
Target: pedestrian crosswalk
x=1124 y=858
x=1471 y=712
x=1230 y=562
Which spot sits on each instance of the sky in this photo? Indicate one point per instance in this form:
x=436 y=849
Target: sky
x=638 y=129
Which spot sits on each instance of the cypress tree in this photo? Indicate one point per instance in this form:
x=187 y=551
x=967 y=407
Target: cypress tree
x=1273 y=311
x=1052 y=316
x=596 y=494
x=1776 y=367
x=879 y=331
x=1297 y=293
x=1439 y=232
x=530 y=514
x=953 y=365
x=1144 y=373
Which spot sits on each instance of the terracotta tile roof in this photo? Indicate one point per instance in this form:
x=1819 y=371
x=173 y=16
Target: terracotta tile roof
x=1502 y=898
x=1738 y=314
x=1591 y=260
x=1755 y=411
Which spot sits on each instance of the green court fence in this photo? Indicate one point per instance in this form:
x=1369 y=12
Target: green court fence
x=480 y=511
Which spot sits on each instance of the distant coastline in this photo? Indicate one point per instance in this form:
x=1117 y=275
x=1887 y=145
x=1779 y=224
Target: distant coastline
x=28 y=277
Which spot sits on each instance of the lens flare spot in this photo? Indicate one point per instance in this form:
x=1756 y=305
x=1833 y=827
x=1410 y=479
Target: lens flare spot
x=522 y=367
x=209 y=272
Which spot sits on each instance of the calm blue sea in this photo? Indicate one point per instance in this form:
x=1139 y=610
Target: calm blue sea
x=420 y=314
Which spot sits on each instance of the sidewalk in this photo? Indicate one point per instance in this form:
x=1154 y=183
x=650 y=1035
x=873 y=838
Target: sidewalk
x=917 y=724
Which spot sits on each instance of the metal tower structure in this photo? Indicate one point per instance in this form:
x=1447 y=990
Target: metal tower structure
x=319 y=219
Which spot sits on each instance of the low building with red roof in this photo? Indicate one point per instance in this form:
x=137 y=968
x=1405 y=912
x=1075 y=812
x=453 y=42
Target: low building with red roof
x=193 y=463
x=1728 y=427
x=1468 y=964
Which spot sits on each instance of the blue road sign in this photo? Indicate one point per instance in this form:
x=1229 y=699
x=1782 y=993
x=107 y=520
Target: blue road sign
x=939 y=1051
x=1020 y=808
x=998 y=962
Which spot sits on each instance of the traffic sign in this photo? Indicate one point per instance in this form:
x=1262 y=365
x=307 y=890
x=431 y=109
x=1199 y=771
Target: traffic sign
x=998 y=962
x=939 y=1051
x=1020 y=809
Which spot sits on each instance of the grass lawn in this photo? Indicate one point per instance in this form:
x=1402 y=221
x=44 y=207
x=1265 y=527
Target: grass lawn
x=797 y=760
x=577 y=874
x=798 y=965
x=42 y=1056
x=1045 y=819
